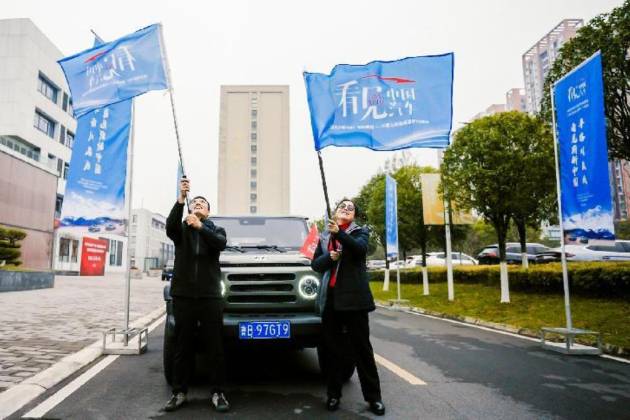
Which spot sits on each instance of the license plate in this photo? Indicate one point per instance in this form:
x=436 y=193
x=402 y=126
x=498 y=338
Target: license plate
x=261 y=330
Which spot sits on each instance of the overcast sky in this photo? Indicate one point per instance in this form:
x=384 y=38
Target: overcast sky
x=211 y=43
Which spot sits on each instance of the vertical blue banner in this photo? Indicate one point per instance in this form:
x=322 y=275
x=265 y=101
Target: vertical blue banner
x=587 y=212
x=383 y=105
x=95 y=191
x=391 y=217
x=116 y=71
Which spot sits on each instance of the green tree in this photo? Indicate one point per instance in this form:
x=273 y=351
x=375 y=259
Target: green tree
x=609 y=33
x=10 y=245
x=412 y=233
x=482 y=170
x=535 y=192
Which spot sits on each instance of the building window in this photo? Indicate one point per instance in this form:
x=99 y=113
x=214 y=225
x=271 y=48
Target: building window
x=46 y=88
x=64 y=249
x=115 y=253
x=254 y=148
x=254 y=160
x=252 y=185
x=44 y=124
x=69 y=139
x=254 y=125
x=134 y=218
x=64 y=103
x=58 y=206
x=254 y=113
x=252 y=209
x=253 y=173
x=59 y=167
x=254 y=137
x=253 y=197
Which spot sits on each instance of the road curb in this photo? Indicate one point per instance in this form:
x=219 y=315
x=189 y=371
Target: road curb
x=525 y=332
x=21 y=394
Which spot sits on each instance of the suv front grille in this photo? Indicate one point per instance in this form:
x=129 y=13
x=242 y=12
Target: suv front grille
x=261 y=277
x=253 y=288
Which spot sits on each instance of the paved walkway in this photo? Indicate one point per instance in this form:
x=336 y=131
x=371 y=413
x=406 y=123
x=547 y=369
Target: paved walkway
x=39 y=327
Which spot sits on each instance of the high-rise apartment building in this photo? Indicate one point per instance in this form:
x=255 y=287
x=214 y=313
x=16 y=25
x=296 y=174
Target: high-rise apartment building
x=538 y=59
x=254 y=150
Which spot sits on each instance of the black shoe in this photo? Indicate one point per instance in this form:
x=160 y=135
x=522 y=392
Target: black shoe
x=377 y=407
x=176 y=401
x=332 y=404
x=219 y=402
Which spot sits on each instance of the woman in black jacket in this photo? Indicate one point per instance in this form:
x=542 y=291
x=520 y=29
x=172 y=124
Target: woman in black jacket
x=346 y=300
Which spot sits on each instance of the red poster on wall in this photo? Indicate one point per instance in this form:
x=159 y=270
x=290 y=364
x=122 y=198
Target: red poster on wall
x=93 y=256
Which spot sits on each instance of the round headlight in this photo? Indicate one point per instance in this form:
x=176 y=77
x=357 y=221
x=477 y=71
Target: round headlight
x=308 y=287
x=222 y=288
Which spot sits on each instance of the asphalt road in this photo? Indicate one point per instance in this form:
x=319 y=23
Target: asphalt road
x=468 y=374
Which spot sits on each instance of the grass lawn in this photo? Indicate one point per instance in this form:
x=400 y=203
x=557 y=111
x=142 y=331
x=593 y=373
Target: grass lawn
x=611 y=317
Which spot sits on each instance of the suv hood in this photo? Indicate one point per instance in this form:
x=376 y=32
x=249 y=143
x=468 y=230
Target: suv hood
x=264 y=258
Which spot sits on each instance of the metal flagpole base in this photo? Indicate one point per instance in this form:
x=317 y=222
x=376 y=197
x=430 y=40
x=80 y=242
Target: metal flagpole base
x=398 y=301
x=569 y=346
x=127 y=342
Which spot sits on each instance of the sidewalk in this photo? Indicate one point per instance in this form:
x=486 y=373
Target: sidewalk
x=40 y=327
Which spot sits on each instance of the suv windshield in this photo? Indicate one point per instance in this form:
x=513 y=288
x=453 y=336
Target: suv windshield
x=264 y=232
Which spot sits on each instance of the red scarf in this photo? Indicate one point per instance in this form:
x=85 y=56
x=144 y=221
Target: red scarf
x=333 y=245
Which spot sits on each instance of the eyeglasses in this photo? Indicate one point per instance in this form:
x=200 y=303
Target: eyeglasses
x=345 y=206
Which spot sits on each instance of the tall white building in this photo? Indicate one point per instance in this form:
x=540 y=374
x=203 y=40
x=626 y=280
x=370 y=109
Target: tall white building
x=538 y=59
x=37 y=125
x=254 y=150
x=150 y=247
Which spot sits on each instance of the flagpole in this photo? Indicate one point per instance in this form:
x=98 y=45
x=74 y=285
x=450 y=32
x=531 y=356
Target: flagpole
x=167 y=69
x=130 y=202
x=325 y=187
x=565 y=273
x=447 y=235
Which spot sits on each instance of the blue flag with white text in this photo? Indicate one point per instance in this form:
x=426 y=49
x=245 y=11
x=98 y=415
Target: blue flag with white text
x=115 y=71
x=94 y=199
x=587 y=212
x=391 y=217
x=383 y=105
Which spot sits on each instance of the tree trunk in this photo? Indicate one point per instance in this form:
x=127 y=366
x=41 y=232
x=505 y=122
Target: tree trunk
x=522 y=236
x=501 y=229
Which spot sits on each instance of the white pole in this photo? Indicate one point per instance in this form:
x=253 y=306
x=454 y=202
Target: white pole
x=425 y=281
x=565 y=272
x=398 y=277
x=130 y=202
x=386 y=280
x=449 y=256
x=447 y=233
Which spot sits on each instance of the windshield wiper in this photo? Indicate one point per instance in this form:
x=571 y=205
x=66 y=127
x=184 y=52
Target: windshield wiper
x=235 y=248
x=268 y=247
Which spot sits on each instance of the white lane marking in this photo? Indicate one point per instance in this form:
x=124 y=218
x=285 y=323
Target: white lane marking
x=480 y=327
x=66 y=391
x=413 y=380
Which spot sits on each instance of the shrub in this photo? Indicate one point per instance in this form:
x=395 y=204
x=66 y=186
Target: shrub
x=611 y=279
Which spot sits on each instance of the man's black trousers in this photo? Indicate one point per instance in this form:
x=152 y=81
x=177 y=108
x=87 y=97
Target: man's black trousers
x=355 y=347
x=198 y=321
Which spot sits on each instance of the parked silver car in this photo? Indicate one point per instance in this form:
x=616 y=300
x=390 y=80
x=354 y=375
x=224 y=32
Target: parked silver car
x=617 y=251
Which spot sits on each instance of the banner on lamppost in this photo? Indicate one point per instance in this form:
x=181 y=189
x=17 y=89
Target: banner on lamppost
x=587 y=212
x=94 y=200
x=383 y=105
x=115 y=71
x=433 y=204
x=391 y=217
